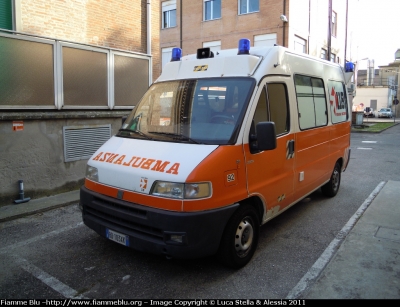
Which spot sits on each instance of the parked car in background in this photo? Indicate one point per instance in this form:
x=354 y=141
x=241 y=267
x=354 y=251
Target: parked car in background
x=385 y=112
x=369 y=112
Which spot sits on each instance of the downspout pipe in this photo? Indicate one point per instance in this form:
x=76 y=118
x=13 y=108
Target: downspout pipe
x=284 y=24
x=149 y=27
x=309 y=26
x=180 y=26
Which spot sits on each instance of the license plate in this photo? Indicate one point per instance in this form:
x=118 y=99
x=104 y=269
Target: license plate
x=117 y=237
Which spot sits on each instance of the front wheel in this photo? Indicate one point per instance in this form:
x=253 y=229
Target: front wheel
x=331 y=188
x=240 y=238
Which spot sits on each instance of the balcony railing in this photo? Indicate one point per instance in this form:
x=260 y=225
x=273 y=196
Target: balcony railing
x=388 y=82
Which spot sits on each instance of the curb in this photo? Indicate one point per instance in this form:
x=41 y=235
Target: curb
x=361 y=131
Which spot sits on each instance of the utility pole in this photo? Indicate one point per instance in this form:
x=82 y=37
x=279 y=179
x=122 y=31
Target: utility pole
x=345 y=40
x=329 y=29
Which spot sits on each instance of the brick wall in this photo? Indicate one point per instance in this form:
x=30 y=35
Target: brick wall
x=229 y=29
x=120 y=24
x=307 y=20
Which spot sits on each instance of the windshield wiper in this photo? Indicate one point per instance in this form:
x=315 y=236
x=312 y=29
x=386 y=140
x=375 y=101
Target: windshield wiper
x=137 y=132
x=176 y=136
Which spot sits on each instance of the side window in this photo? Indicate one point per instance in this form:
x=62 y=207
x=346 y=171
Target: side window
x=262 y=113
x=311 y=102
x=278 y=106
x=338 y=101
x=273 y=106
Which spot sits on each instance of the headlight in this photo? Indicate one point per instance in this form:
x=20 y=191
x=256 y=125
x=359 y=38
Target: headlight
x=181 y=190
x=92 y=173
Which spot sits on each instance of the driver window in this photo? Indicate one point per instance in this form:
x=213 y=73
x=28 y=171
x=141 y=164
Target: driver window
x=261 y=114
x=278 y=105
x=273 y=106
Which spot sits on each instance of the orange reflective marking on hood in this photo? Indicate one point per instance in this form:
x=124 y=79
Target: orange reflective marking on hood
x=136 y=198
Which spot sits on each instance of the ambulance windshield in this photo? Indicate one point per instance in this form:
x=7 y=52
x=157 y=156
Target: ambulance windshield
x=204 y=111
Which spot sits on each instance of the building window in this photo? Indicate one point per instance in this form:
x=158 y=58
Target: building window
x=166 y=56
x=300 y=45
x=169 y=14
x=214 y=46
x=323 y=54
x=6 y=15
x=248 y=6
x=334 y=24
x=333 y=57
x=266 y=40
x=212 y=9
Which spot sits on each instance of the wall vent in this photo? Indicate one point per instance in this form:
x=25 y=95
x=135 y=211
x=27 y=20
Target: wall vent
x=81 y=142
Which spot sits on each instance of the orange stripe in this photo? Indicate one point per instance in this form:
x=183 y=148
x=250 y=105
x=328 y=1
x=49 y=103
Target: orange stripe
x=141 y=199
x=317 y=151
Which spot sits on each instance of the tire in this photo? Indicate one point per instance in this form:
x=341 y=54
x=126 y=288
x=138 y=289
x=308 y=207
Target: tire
x=331 y=188
x=240 y=238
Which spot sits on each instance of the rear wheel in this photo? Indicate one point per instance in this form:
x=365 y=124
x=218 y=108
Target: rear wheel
x=240 y=238
x=331 y=188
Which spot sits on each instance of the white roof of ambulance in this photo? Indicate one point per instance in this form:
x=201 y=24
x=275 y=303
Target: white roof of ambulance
x=260 y=61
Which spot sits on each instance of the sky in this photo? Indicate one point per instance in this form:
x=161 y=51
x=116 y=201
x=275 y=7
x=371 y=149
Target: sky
x=376 y=30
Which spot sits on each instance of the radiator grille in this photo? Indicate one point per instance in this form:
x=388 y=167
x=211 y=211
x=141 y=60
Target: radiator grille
x=123 y=218
x=81 y=143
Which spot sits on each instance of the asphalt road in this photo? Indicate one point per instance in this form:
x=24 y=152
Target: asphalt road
x=53 y=255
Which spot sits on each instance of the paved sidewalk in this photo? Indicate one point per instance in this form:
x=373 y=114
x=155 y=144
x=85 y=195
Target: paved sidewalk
x=362 y=262
x=14 y=211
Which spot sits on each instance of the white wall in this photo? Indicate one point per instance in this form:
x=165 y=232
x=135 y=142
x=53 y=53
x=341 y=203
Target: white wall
x=318 y=35
x=366 y=94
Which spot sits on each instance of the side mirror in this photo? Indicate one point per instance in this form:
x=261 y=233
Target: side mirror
x=265 y=138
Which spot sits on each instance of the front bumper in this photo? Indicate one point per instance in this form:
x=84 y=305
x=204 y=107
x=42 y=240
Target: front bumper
x=150 y=230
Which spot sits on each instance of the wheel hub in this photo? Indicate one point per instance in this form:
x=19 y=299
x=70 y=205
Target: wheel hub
x=244 y=237
x=335 y=179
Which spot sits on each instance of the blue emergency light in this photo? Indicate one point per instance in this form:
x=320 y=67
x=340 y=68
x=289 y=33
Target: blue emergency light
x=176 y=54
x=244 y=46
x=349 y=67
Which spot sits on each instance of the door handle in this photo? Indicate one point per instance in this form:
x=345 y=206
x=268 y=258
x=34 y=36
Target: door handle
x=290 y=149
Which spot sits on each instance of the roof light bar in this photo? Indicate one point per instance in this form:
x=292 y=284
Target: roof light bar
x=244 y=46
x=349 y=67
x=176 y=54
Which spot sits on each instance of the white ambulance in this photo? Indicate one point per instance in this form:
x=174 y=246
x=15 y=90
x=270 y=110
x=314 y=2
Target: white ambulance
x=219 y=145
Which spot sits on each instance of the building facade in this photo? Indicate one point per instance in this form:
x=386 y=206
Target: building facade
x=118 y=24
x=315 y=27
x=379 y=88
x=69 y=72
